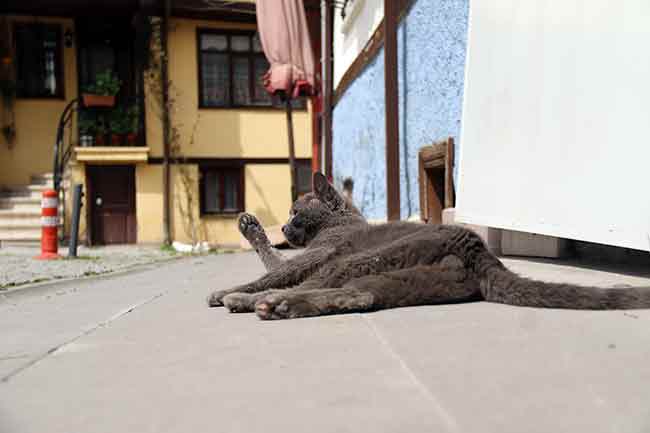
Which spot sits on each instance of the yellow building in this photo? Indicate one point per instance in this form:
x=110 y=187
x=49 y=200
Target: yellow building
x=227 y=148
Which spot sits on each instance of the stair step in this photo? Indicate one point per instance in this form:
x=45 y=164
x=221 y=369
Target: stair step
x=20 y=223
x=26 y=234
x=24 y=192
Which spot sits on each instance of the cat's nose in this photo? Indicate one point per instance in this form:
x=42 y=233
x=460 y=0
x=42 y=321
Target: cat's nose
x=284 y=229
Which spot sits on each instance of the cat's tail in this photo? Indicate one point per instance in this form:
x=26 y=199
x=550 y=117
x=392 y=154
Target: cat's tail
x=503 y=286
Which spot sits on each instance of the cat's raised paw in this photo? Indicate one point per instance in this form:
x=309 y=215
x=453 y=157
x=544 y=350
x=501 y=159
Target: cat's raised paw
x=249 y=226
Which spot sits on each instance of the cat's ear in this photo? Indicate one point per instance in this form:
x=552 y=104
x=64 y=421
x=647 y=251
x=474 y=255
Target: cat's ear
x=327 y=193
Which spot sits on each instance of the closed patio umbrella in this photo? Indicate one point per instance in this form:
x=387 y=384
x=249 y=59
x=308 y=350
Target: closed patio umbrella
x=285 y=39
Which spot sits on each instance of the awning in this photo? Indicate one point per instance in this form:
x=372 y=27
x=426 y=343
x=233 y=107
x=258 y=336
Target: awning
x=285 y=39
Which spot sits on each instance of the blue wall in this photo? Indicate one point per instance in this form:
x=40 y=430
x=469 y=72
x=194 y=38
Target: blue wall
x=431 y=56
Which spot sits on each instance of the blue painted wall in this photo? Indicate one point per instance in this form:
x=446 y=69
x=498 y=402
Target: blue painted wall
x=431 y=45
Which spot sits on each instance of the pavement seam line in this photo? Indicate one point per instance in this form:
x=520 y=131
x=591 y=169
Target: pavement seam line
x=446 y=417
x=88 y=331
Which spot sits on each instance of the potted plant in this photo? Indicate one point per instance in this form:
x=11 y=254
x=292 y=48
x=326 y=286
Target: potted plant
x=102 y=92
x=87 y=130
x=120 y=126
x=100 y=132
x=133 y=123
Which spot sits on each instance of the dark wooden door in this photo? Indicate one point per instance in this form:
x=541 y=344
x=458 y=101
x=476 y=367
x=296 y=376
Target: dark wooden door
x=112 y=204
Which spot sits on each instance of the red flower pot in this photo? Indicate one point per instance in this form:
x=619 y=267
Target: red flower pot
x=131 y=138
x=92 y=100
x=116 y=140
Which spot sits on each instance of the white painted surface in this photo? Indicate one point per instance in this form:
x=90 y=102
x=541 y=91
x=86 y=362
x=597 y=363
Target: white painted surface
x=556 y=122
x=360 y=23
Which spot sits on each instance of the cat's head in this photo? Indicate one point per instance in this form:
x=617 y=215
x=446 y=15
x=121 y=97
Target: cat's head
x=315 y=211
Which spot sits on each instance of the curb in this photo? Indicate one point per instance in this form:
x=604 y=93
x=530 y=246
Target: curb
x=30 y=289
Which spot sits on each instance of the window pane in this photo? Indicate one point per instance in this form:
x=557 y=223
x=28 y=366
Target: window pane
x=215 y=72
x=212 y=191
x=214 y=42
x=260 y=68
x=37 y=60
x=240 y=43
x=241 y=84
x=231 y=190
x=257 y=44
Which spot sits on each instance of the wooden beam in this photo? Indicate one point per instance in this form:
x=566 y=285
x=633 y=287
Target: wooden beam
x=391 y=10
x=328 y=25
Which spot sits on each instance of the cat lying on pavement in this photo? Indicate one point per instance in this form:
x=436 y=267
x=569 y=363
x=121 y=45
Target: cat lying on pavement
x=349 y=265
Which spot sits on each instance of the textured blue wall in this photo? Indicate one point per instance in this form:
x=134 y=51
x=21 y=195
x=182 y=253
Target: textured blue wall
x=431 y=61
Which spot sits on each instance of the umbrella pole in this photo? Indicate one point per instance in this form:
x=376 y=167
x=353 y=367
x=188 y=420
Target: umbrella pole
x=292 y=150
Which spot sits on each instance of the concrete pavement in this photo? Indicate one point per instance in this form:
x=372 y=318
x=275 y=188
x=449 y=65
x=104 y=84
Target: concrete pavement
x=141 y=353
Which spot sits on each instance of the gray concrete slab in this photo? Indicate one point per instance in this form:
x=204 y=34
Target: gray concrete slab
x=142 y=353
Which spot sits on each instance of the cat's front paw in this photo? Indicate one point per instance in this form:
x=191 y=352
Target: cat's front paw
x=239 y=302
x=251 y=228
x=215 y=299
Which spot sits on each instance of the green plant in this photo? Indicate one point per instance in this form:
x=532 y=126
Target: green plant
x=133 y=119
x=87 y=126
x=100 y=126
x=119 y=122
x=87 y=123
x=105 y=84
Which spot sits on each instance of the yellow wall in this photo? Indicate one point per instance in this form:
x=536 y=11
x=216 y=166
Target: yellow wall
x=226 y=133
x=149 y=202
x=266 y=195
x=36 y=122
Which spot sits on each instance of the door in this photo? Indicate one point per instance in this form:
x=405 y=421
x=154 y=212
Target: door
x=112 y=204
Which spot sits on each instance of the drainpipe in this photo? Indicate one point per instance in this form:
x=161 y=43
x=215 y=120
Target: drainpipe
x=392 y=115
x=164 y=77
x=327 y=24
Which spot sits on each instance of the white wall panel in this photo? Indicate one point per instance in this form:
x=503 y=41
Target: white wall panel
x=556 y=121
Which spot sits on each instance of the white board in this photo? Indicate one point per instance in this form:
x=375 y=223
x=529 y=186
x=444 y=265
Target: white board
x=556 y=121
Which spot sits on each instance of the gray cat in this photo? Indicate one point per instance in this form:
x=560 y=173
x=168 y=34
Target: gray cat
x=349 y=265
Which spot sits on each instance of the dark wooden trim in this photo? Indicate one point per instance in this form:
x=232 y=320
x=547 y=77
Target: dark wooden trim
x=435 y=157
x=328 y=89
x=225 y=162
x=368 y=53
x=450 y=196
x=392 y=113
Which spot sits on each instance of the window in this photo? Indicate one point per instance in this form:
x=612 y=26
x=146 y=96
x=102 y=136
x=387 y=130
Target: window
x=231 y=66
x=222 y=190
x=39 y=71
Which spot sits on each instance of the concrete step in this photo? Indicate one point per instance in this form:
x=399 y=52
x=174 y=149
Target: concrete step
x=22 y=188
x=18 y=223
x=20 y=203
x=12 y=213
x=22 y=234
x=42 y=179
x=31 y=191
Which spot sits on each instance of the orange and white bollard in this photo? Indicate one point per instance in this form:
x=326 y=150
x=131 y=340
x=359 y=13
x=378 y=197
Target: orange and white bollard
x=49 y=226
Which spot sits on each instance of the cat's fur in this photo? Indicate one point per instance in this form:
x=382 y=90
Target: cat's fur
x=349 y=265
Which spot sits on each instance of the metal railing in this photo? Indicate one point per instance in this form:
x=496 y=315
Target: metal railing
x=63 y=152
